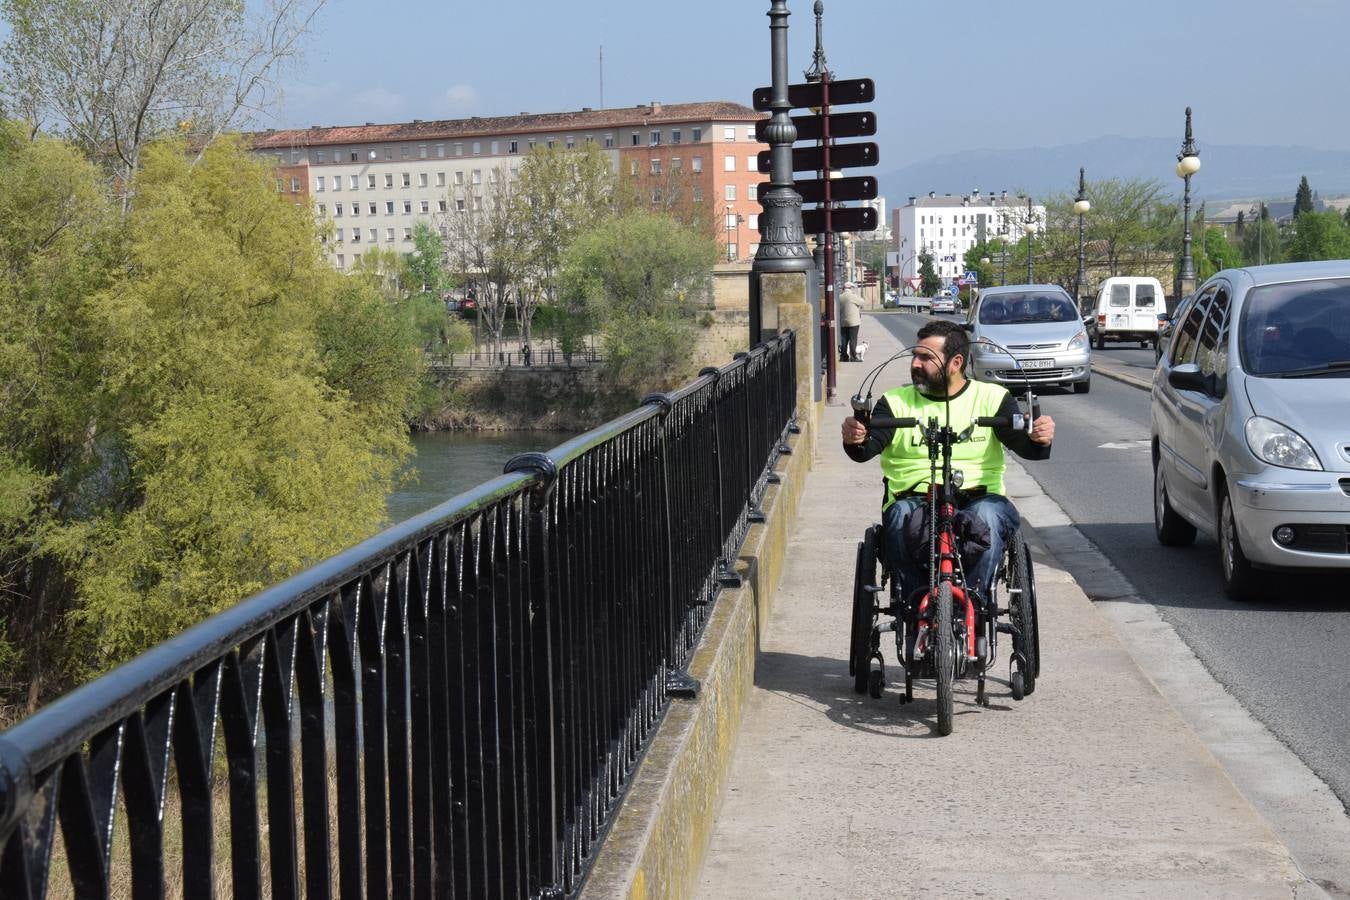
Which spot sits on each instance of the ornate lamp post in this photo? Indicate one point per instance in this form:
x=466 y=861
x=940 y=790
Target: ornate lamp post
x=1188 y=163
x=1081 y=207
x=1030 y=227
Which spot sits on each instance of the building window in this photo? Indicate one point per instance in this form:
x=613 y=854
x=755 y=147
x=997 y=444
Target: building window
x=730 y=192
x=655 y=138
x=696 y=135
x=440 y=151
x=749 y=132
x=421 y=179
x=426 y=207
x=477 y=176
x=696 y=164
x=295 y=184
x=356 y=209
x=754 y=221
x=421 y=151
x=633 y=167
x=492 y=176
x=459 y=204
x=513 y=147
x=338 y=235
x=731 y=252
x=355 y=155
x=407 y=207
x=403 y=151
x=477 y=202
x=389 y=207
x=407 y=234
x=752 y=192
x=389 y=235
x=674 y=135
x=459 y=177
x=356 y=258
x=731 y=221
x=637 y=139
x=609 y=142
x=374 y=235
x=356 y=235
x=675 y=164
x=337 y=182
x=356 y=182
x=530 y=144
x=656 y=167
x=752 y=162
x=440 y=179
x=696 y=192
x=323 y=210
x=459 y=149
x=341 y=261
x=656 y=195
x=370 y=182
x=440 y=205
x=389 y=179
x=295 y=156
x=728 y=132
x=374 y=208
x=323 y=156
x=388 y=152
x=477 y=148
x=318 y=184
x=407 y=179
x=571 y=142
x=728 y=163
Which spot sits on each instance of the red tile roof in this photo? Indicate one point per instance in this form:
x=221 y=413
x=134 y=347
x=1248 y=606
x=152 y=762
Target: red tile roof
x=525 y=123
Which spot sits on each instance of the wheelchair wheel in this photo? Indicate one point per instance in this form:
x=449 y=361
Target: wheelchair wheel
x=944 y=660
x=864 y=611
x=1035 y=613
x=1022 y=608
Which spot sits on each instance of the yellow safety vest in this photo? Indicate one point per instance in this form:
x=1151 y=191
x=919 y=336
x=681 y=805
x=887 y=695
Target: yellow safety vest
x=904 y=461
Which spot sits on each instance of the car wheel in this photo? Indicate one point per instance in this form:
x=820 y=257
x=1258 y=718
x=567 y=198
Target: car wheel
x=1082 y=387
x=1101 y=341
x=1168 y=525
x=1241 y=581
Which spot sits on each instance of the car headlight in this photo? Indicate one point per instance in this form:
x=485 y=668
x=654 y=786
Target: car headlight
x=1280 y=445
x=1078 y=341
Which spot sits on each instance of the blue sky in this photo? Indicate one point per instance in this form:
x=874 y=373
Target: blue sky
x=950 y=75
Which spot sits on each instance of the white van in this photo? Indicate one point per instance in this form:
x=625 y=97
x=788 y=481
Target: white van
x=1127 y=310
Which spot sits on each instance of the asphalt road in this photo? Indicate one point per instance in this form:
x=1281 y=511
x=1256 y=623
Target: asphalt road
x=1284 y=659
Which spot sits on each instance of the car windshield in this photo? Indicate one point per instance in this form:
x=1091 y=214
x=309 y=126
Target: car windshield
x=1015 y=309
x=1297 y=329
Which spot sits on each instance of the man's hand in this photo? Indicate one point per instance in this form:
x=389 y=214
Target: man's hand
x=855 y=432
x=1043 y=431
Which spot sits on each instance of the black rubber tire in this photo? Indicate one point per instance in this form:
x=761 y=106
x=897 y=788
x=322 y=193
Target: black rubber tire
x=864 y=611
x=1101 y=340
x=944 y=656
x=876 y=684
x=1241 y=580
x=1169 y=527
x=1082 y=387
x=1017 y=684
x=1021 y=610
x=1035 y=612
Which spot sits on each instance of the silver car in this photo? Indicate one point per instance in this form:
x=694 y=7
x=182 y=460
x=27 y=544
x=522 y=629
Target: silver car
x=1251 y=422
x=1029 y=333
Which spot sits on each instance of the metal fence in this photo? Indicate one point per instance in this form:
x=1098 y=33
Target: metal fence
x=452 y=708
x=543 y=357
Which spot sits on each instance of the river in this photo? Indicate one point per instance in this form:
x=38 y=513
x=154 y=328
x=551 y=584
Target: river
x=449 y=463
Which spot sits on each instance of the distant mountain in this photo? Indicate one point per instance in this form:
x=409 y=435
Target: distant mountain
x=1228 y=171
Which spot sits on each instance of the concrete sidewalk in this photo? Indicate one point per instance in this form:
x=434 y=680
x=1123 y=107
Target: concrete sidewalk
x=1093 y=786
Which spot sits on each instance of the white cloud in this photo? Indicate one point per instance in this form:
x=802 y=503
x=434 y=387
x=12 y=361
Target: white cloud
x=379 y=104
x=461 y=97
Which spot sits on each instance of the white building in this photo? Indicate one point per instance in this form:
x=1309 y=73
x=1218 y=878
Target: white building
x=947 y=226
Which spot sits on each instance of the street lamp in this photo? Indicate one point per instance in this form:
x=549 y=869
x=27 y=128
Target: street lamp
x=1188 y=163
x=1030 y=227
x=1081 y=207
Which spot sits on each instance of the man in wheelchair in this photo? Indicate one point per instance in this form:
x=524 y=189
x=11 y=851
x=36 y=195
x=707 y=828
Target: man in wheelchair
x=939 y=383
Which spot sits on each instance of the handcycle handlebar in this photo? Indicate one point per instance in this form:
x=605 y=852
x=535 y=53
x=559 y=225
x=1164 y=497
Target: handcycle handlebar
x=889 y=421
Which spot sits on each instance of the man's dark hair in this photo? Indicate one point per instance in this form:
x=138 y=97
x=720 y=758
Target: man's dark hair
x=955 y=338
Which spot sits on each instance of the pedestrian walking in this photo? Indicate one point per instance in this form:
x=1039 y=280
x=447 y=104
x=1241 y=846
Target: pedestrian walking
x=850 y=321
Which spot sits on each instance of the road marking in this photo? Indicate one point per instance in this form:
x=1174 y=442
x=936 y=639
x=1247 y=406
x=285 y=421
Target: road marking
x=1125 y=445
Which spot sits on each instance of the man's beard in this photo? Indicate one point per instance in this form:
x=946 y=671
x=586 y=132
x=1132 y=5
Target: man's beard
x=936 y=387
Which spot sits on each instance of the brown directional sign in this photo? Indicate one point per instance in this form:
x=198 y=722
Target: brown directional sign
x=860 y=218
x=811 y=94
x=842 y=125
x=860 y=187
x=812 y=159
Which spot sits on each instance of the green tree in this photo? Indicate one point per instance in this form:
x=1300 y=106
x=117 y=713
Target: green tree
x=1215 y=253
x=1261 y=240
x=243 y=430
x=929 y=282
x=984 y=250
x=1316 y=236
x=1303 y=198
x=113 y=76
x=634 y=274
x=1240 y=226
x=561 y=193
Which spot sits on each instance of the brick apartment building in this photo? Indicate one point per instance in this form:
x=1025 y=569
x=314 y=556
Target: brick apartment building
x=374 y=182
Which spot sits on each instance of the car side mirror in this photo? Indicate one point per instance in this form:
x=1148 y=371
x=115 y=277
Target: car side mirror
x=1088 y=321
x=1188 y=377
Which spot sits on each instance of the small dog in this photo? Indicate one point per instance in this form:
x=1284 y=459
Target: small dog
x=861 y=351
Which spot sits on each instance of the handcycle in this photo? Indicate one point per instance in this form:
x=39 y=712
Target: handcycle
x=947 y=631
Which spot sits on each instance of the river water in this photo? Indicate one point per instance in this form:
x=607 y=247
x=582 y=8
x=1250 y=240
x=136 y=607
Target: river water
x=449 y=463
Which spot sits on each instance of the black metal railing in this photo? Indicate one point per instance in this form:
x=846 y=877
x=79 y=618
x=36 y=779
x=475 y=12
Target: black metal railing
x=452 y=708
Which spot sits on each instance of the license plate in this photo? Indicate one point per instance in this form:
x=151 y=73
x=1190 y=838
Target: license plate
x=1038 y=363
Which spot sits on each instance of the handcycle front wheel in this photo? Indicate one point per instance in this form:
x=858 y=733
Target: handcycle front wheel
x=944 y=649
x=864 y=612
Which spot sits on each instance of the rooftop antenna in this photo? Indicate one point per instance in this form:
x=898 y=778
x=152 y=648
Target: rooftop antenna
x=602 y=76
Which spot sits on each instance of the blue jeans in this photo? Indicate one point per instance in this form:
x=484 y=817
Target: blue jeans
x=995 y=510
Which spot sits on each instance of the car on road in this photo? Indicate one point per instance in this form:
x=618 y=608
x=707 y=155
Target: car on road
x=1167 y=324
x=1029 y=333
x=1127 y=310
x=941 y=304
x=1250 y=423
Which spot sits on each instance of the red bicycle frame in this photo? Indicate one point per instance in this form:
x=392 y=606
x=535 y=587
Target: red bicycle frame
x=946 y=560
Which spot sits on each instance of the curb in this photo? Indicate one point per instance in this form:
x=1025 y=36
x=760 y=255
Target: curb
x=661 y=833
x=1124 y=378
